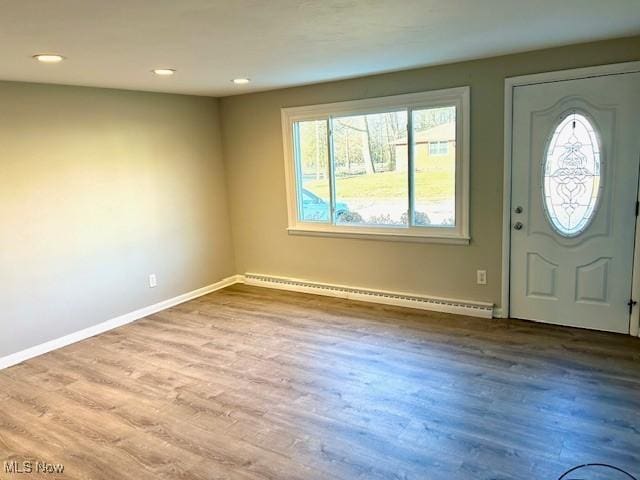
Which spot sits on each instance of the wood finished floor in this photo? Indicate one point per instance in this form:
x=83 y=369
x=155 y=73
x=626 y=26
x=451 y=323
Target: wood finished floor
x=251 y=383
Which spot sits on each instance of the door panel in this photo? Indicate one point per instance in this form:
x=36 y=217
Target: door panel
x=572 y=238
x=592 y=281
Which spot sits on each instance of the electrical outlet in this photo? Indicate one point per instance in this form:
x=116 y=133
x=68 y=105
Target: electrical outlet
x=153 y=281
x=481 y=277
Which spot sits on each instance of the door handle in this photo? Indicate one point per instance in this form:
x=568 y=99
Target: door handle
x=518 y=226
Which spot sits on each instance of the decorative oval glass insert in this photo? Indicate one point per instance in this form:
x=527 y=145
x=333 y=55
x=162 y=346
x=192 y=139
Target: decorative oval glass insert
x=571 y=175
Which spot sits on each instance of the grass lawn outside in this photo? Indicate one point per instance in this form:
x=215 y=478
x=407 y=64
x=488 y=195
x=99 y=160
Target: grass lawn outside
x=433 y=186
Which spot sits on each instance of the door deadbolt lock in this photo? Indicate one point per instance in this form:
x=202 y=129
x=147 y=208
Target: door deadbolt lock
x=518 y=210
x=517 y=226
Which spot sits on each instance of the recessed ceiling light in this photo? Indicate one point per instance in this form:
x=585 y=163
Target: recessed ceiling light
x=48 y=58
x=164 y=72
x=241 y=81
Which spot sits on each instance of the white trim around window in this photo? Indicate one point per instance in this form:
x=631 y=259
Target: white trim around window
x=453 y=234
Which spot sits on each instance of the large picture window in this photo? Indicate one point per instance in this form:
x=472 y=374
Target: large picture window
x=394 y=167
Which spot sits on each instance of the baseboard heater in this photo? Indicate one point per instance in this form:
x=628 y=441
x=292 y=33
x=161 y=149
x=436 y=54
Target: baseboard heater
x=438 y=304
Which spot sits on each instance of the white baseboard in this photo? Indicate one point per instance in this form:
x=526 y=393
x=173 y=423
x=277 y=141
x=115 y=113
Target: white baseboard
x=437 y=304
x=74 y=337
x=499 y=313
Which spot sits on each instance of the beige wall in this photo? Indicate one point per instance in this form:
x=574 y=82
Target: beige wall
x=99 y=188
x=252 y=142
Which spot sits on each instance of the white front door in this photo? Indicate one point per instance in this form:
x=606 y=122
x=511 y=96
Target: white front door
x=575 y=161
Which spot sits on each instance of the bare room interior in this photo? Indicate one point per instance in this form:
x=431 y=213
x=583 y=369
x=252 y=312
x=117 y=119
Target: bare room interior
x=309 y=240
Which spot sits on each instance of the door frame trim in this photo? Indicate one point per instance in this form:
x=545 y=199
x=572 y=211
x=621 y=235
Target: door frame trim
x=547 y=77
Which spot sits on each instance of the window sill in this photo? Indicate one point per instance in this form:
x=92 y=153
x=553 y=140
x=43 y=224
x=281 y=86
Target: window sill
x=393 y=236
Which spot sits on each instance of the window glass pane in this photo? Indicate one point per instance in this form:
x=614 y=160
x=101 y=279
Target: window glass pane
x=438 y=148
x=434 y=160
x=371 y=163
x=312 y=163
x=571 y=175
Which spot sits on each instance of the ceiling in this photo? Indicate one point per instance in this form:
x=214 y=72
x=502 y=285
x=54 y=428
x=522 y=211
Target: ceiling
x=279 y=43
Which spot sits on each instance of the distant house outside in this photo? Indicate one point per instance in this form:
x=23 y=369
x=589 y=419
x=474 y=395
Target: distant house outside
x=435 y=148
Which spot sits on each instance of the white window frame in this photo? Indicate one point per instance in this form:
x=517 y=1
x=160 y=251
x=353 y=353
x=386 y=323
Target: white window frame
x=458 y=97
